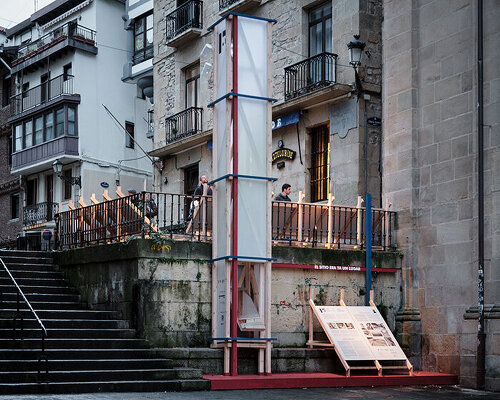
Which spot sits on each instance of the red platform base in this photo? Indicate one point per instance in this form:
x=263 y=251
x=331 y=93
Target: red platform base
x=316 y=380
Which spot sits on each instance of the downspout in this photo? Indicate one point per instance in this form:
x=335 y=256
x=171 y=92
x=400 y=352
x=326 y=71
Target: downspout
x=481 y=337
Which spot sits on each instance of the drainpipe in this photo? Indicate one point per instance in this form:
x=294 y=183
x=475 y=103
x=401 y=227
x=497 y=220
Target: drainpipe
x=481 y=336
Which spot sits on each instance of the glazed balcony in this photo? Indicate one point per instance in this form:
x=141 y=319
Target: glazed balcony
x=68 y=35
x=185 y=23
x=236 y=5
x=38 y=96
x=39 y=213
x=310 y=75
x=142 y=55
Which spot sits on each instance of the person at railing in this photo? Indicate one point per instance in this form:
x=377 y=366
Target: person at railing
x=198 y=192
x=286 y=189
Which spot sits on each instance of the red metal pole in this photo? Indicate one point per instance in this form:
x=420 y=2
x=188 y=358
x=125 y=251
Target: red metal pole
x=234 y=294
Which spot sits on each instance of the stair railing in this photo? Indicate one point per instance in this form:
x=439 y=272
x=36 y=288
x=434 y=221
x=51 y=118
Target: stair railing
x=19 y=316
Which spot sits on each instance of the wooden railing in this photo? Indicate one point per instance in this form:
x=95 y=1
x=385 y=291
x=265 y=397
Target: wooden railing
x=183 y=217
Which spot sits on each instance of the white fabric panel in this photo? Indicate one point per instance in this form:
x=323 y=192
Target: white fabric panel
x=252 y=114
x=252 y=217
x=221 y=298
x=221 y=38
x=252 y=57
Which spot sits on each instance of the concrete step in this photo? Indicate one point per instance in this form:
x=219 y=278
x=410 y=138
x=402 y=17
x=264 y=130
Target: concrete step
x=81 y=375
x=24 y=253
x=69 y=365
x=44 y=297
x=69 y=323
x=24 y=258
x=43 y=305
x=6 y=333
x=64 y=343
x=32 y=274
x=82 y=354
x=64 y=314
x=14 y=266
x=27 y=290
x=111 y=386
x=27 y=282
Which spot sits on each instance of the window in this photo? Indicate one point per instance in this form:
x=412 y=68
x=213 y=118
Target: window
x=143 y=38
x=44 y=87
x=6 y=90
x=18 y=132
x=192 y=86
x=31 y=188
x=38 y=130
x=28 y=134
x=67 y=71
x=14 y=205
x=67 y=184
x=26 y=36
x=26 y=87
x=71 y=121
x=49 y=126
x=320 y=29
x=59 y=122
x=9 y=149
x=320 y=163
x=129 y=140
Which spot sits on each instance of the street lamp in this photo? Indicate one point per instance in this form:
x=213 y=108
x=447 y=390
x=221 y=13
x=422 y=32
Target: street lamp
x=57 y=166
x=356 y=47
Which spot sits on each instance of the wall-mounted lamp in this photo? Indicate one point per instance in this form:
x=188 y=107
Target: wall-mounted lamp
x=356 y=47
x=57 y=166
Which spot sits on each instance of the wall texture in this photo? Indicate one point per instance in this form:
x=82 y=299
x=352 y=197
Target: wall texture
x=430 y=175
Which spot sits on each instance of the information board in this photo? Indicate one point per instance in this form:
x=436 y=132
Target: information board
x=358 y=333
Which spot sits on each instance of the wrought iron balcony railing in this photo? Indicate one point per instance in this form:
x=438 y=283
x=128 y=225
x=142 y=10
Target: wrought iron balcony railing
x=184 y=124
x=39 y=213
x=189 y=15
x=71 y=29
x=62 y=84
x=142 y=55
x=310 y=75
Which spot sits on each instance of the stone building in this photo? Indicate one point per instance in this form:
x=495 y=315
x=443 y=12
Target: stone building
x=317 y=114
x=430 y=164
x=10 y=190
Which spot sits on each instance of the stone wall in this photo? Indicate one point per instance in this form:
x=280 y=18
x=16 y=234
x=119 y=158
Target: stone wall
x=430 y=175
x=165 y=290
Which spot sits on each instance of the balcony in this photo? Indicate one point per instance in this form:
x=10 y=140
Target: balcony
x=41 y=95
x=67 y=35
x=310 y=75
x=32 y=159
x=40 y=213
x=183 y=125
x=185 y=23
x=226 y=6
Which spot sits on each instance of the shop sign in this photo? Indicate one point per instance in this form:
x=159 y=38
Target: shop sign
x=283 y=154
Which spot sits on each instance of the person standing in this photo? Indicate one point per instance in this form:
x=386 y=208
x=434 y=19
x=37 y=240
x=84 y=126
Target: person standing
x=285 y=191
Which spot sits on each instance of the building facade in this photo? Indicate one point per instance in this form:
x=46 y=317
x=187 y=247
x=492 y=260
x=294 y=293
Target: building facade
x=430 y=147
x=67 y=75
x=319 y=120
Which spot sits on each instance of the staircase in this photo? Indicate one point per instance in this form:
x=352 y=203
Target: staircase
x=87 y=350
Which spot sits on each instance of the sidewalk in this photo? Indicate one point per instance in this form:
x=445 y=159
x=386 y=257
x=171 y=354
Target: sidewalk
x=400 y=393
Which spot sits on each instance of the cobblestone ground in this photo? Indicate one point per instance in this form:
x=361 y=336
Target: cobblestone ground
x=406 y=393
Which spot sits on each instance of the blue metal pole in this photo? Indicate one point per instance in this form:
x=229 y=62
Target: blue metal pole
x=368 y=233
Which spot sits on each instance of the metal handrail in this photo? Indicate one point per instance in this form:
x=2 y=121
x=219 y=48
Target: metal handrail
x=18 y=314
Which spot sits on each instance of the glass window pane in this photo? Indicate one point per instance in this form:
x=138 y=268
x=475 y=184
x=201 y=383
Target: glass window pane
x=71 y=121
x=39 y=130
x=328 y=35
x=49 y=126
x=149 y=37
x=315 y=40
x=139 y=26
x=19 y=137
x=60 y=122
x=139 y=42
x=28 y=133
x=149 y=21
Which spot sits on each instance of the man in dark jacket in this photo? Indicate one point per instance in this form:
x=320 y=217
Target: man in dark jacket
x=285 y=191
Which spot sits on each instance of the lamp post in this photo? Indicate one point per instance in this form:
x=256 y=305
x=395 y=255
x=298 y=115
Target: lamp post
x=57 y=166
x=356 y=47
